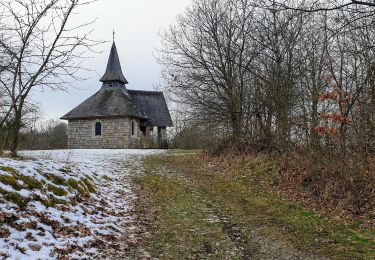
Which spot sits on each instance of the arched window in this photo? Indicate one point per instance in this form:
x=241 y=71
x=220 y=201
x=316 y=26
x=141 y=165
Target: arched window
x=98 y=129
x=133 y=128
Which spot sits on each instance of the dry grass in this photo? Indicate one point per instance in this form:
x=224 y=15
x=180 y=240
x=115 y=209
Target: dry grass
x=340 y=185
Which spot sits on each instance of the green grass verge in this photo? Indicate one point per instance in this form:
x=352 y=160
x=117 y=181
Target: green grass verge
x=182 y=225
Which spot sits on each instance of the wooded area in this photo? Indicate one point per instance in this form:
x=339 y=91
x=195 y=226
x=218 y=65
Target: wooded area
x=274 y=74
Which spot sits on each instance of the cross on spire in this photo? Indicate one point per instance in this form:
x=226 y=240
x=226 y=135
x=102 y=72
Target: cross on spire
x=113 y=35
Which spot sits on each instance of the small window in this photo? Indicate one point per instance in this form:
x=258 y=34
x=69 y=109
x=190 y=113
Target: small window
x=98 y=129
x=110 y=85
x=133 y=128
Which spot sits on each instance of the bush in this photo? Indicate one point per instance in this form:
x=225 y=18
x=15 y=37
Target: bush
x=343 y=183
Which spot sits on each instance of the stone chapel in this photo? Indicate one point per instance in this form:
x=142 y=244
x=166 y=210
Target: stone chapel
x=119 y=118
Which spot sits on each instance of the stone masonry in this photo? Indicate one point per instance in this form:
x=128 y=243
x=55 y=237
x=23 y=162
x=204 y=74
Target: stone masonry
x=116 y=134
x=146 y=138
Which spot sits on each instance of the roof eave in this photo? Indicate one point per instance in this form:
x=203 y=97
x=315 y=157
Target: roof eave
x=101 y=117
x=107 y=78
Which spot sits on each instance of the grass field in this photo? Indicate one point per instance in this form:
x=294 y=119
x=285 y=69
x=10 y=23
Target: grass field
x=193 y=208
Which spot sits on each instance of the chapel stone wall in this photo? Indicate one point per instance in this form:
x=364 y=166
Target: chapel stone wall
x=116 y=134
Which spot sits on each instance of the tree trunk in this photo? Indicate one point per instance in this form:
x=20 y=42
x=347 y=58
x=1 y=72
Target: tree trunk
x=2 y=140
x=15 y=132
x=283 y=131
x=236 y=127
x=267 y=134
x=314 y=136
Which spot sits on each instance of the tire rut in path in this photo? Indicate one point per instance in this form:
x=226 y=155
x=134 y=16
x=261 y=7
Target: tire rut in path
x=257 y=245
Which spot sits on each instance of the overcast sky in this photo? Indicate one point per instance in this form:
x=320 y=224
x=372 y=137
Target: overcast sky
x=137 y=24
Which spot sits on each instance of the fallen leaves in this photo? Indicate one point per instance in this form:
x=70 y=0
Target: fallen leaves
x=6 y=217
x=50 y=222
x=30 y=237
x=4 y=233
x=35 y=248
x=28 y=225
x=76 y=231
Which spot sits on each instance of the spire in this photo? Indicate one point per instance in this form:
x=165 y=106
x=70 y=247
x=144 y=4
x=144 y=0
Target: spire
x=113 y=72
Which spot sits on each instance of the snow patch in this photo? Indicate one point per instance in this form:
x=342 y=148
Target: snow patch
x=79 y=228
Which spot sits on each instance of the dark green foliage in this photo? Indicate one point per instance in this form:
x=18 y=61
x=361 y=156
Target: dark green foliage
x=66 y=169
x=53 y=201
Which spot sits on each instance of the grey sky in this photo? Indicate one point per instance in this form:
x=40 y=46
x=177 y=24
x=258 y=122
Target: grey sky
x=137 y=24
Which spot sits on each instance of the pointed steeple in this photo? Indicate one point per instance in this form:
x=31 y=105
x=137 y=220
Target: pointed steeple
x=113 y=72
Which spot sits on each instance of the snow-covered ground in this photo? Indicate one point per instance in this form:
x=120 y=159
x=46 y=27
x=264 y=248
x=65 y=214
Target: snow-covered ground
x=66 y=203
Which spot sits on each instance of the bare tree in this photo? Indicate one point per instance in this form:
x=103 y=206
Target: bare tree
x=44 y=51
x=205 y=57
x=323 y=5
x=280 y=33
x=274 y=75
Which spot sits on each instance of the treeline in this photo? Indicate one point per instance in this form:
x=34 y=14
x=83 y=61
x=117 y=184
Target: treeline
x=52 y=134
x=275 y=74
x=40 y=135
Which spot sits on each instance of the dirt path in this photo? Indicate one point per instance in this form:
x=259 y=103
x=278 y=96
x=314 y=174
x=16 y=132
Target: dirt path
x=185 y=223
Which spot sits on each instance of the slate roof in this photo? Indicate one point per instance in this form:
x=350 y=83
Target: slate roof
x=114 y=71
x=105 y=103
x=149 y=106
x=153 y=105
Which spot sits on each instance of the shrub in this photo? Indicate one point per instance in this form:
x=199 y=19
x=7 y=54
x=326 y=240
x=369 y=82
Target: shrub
x=342 y=183
x=107 y=178
x=8 y=169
